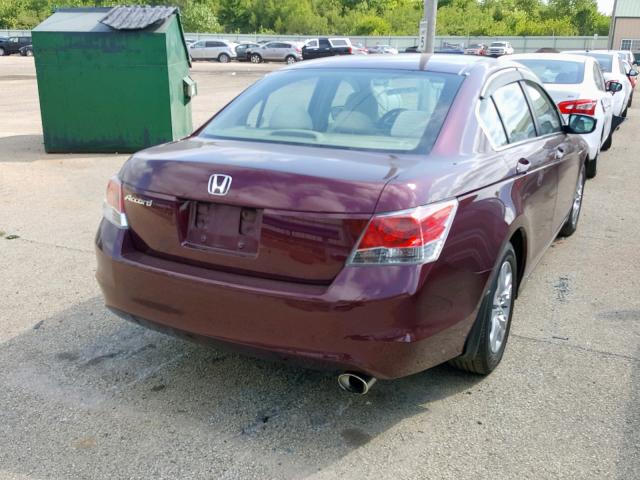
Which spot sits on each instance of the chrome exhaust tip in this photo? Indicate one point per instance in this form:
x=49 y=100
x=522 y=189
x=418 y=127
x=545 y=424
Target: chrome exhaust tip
x=357 y=383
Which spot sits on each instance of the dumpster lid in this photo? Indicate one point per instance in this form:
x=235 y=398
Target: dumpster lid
x=136 y=17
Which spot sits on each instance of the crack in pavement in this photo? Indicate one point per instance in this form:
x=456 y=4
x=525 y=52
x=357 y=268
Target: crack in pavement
x=55 y=245
x=577 y=347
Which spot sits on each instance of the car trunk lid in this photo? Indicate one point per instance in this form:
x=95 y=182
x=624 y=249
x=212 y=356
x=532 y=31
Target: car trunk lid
x=291 y=213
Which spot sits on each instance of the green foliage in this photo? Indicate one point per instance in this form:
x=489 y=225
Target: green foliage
x=352 y=17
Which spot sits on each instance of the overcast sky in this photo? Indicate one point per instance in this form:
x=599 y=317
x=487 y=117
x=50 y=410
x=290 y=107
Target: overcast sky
x=605 y=6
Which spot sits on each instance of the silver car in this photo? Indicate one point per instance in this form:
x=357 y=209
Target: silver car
x=220 y=50
x=289 y=52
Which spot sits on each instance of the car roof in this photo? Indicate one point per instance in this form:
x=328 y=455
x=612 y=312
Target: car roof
x=597 y=52
x=567 y=57
x=442 y=63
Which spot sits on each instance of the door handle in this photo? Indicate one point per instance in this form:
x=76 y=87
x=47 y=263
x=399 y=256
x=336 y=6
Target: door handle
x=523 y=166
x=559 y=153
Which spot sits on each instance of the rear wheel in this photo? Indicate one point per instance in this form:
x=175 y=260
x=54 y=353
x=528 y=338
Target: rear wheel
x=224 y=58
x=607 y=143
x=1 y=52
x=29 y=53
x=290 y=59
x=255 y=58
x=488 y=337
x=571 y=225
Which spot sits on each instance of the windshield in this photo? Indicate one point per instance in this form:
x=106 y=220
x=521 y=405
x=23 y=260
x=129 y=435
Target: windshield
x=366 y=109
x=498 y=44
x=556 y=71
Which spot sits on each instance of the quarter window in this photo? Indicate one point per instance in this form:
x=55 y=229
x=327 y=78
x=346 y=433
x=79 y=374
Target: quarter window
x=544 y=110
x=599 y=79
x=491 y=123
x=514 y=111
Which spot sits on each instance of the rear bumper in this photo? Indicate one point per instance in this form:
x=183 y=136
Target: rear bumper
x=384 y=321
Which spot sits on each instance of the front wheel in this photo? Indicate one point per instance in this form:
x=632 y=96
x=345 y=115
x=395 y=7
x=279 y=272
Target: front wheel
x=1 y=52
x=224 y=58
x=29 y=53
x=571 y=225
x=255 y=58
x=488 y=338
x=592 y=167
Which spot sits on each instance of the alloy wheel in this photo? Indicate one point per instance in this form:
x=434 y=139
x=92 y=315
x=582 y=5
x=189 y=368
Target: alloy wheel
x=577 y=200
x=502 y=302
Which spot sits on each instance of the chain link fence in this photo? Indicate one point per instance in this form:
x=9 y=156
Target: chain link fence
x=520 y=44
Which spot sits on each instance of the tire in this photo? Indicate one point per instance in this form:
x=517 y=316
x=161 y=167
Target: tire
x=488 y=337
x=224 y=58
x=591 y=168
x=630 y=101
x=29 y=53
x=290 y=59
x=571 y=225
x=255 y=58
x=624 y=112
x=2 y=52
x=607 y=143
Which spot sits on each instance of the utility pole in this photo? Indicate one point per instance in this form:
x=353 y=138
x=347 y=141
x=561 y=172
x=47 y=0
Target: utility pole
x=428 y=26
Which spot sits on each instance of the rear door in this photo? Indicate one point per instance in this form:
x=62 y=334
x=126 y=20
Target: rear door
x=531 y=160
x=559 y=148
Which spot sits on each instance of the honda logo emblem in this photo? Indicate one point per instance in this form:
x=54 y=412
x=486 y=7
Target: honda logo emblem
x=219 y=184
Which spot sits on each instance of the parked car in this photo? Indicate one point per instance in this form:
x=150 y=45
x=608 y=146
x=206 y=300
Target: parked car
x=412 y=49
x=289 y=52
x=359 y=49
x=326 y=47
x=382 y=50
x=476 y=49
x=547 y=50
x=220 y=50
x=450 y=48
x=576 y=85
x=613 y=71
x=242 y=50
x=11 y=45
x=26 y=51
x=307 y=221
x=498 y=49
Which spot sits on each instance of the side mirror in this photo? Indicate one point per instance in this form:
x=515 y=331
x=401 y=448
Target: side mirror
x=580 y=124
x=633 y=73
x=613 y=87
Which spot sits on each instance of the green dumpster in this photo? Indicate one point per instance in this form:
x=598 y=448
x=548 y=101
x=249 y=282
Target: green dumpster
x=112 y=79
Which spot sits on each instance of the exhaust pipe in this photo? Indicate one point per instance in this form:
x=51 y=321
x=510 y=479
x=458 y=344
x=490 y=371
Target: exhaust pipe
x=358 y=383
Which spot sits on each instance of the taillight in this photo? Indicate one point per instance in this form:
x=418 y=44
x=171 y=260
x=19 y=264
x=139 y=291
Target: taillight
x=113 y=208
x=413 y=236
x=350 y=50
x=582 y=107
x=298 y=49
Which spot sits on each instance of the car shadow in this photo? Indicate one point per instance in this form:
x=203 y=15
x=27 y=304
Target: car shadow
x=120 y=383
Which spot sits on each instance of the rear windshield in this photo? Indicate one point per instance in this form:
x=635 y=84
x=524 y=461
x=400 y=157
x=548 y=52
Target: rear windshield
x=364 y=109
x=556 y=71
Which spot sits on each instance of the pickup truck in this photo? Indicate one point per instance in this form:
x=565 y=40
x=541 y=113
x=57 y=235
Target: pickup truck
x=326 y=47
x=11 y=45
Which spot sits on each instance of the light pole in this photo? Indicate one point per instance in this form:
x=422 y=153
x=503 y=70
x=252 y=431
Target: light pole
x=428 y=26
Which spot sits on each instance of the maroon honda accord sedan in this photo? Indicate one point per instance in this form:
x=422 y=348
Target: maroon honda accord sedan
x=373 y=216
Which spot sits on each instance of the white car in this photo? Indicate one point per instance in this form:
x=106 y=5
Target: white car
x=221 y=50
x=576 y=85
x=498 y=49
x=613 y=71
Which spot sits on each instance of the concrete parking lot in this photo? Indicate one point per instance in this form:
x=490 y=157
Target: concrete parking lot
x=85 y=395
